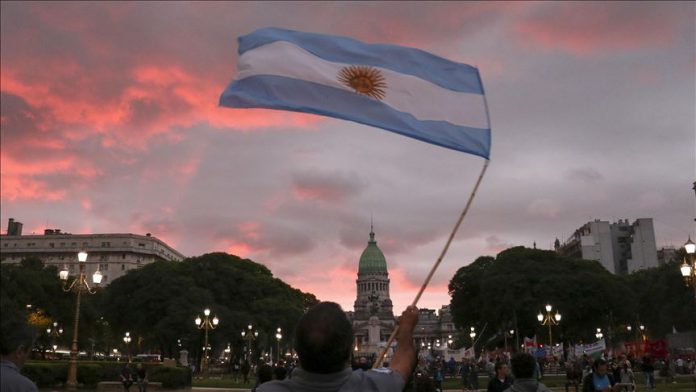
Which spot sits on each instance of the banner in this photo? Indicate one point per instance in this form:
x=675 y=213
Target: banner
x=596 y=349
x=530 y=345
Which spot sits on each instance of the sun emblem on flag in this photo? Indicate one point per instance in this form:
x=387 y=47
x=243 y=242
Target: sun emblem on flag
x=364 y=80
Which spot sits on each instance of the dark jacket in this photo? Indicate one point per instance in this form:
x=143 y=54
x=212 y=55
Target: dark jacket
x=495 y=385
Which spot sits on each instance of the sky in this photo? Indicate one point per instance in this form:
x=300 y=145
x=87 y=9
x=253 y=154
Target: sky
x=111 y=124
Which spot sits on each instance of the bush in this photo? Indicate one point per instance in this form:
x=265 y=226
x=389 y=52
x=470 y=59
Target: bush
x=170 y=377
x=89 y=374
x=47 y=374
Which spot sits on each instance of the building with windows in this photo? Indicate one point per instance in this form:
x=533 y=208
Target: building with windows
x=373 y=317
x=620 y=247
x=112 y=254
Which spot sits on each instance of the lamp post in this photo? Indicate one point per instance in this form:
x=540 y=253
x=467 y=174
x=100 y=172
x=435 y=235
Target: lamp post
x=127 y=340
x=54 y=333
x=449 y=341
x=248 y=336
x=472 y=335
x=78 y=286
x=207 y=323
x=506 y=335
x=599 y=335
x=688 y=268
x=279 y=336
x=549 y=319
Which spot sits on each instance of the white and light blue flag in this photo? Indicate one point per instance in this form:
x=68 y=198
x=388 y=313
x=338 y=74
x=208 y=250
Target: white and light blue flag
x=400 y=89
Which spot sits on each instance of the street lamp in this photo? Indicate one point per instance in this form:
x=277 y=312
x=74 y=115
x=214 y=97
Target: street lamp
x=549 y=319
x=599 y=334
x=688 y=268
x=54 y=333
x=449 y=341
x=249 y=336
x=127 y=340
x=506 y=335
x=207 y=323
x=78 y=286
x=279 y=336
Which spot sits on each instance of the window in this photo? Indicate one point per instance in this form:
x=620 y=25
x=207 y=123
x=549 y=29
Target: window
x=103 y=257
x=141 y=244
x=106 y=244
x=73 y=244
x=105 y=278
x=62 y=244
x=123 y=256
x=5 y=244
x=51 y=245
x=123 y=267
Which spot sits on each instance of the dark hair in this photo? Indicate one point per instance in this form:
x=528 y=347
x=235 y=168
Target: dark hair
x=499 y=365
x=523 y=365
x=597 y=363
x=15 y=333
x=265 y=373
x=280 y=372
x=324 y=337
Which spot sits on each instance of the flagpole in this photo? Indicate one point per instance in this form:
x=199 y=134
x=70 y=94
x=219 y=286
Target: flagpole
x=379 y=360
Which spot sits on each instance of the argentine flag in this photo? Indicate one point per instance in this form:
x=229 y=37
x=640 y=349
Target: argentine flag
x=400 y=89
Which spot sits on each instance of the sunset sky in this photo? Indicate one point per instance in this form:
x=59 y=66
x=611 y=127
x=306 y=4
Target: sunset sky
x=111 y=124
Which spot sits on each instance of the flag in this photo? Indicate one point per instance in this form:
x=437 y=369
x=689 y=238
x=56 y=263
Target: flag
x=396 y=88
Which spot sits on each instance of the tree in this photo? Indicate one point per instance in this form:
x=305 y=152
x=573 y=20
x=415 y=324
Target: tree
x=515 y=285
x=158 y=302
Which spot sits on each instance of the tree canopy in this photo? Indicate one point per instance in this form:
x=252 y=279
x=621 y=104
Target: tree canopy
x=508 y=291
x=158 y=302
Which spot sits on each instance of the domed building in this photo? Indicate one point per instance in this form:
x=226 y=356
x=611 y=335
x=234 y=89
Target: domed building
x=373 y=316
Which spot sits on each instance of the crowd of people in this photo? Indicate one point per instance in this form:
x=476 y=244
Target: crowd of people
x=324 y=340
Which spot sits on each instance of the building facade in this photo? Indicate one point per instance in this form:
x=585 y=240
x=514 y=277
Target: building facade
x=373 y=318
x=620 y=247
x=112 y=254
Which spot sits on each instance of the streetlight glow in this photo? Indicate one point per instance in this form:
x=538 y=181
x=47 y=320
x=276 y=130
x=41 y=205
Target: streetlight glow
x=690 y=246
x=548 y=308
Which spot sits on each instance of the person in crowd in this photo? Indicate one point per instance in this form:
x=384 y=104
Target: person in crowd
x=127 y=377
x=649 y=371
x=502 y=380
x=141 y=377
x=600 y=380
x=523 y=365
x=627 y=377
x=464 y=371
x=324 y=339
x=246 y=368
x=16 y=341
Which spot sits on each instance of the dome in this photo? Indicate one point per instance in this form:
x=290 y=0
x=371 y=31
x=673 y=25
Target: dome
x=372 y=260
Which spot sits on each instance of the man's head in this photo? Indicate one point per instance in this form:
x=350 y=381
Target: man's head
x=324 y=337
x=600 y=366
x=523 y=365
x=16 y=340
x=501 y=370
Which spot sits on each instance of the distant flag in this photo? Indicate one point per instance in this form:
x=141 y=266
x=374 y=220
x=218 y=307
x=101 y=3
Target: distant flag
x=400 y=89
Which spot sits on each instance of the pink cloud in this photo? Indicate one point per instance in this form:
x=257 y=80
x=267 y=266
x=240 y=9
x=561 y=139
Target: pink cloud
x=595 y=27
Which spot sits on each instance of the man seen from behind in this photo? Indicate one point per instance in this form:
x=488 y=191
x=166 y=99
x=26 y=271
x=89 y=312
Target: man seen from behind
x=16 y=340
x=324 y=339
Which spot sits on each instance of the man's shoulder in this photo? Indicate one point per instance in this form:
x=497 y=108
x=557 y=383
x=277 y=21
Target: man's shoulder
x=12 y=381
